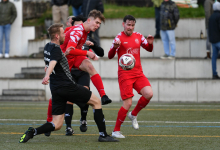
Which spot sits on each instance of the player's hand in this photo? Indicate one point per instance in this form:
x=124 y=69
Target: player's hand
x=68 y=50
x=117 y=44
x=89 y=43
x=92 y=55
x=95 y=58
x=45 y=80
x=150 y=39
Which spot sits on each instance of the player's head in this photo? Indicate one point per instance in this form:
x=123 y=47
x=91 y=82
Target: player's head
x=69 y=21
x=95 y=19
x=78 y=20
x=56 y=33
x=129 y=24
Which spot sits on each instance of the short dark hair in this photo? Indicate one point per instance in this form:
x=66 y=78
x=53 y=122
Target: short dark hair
x=54 y=29
x=218 y=1
x=78 y=18
x=96 y=14
x=129 y=17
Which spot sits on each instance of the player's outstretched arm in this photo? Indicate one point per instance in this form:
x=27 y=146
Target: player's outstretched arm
x=148 y=43
x=116 y=44
x=48 y=72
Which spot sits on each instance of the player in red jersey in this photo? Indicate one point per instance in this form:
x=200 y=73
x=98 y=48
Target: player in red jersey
x=125 y=42
x=77 y=58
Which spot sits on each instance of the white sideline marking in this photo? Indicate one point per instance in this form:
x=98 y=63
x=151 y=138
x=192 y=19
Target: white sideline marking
x=181 y=122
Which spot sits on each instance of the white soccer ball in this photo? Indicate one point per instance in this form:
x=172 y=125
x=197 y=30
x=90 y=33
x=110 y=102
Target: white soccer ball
x=127 y=61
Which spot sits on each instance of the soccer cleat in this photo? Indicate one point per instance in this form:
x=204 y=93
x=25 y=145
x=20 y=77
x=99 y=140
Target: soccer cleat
x=83 y=126
x=69 y=131
x=134 y=120
x=117 y=134
x=27 y=135
x=107 y=139
x=105 y=100
x=47 y=134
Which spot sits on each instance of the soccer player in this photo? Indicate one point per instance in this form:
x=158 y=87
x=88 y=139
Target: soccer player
x=63 y=88
x=129 y=42
x=81 y=77
x=77 y=58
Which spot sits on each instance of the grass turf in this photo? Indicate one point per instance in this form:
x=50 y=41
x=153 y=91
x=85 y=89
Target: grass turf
x=162 y=126
x=115 y=11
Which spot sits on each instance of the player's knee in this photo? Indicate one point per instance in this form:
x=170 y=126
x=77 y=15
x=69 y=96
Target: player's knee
x=148 y=95
x=127 y=104
x=91 y=68
x=58 y=126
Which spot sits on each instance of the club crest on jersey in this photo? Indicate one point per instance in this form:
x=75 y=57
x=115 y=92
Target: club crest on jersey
x=137 y=41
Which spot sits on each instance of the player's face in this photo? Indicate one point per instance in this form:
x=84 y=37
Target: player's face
x=69 y=22
x=77 y=22
x=61 y=36
x=129 y=27
x=94 y=24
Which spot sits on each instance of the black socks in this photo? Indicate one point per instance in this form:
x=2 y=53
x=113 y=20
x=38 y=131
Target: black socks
x=47 y=127
x=100 y=121
x=84 y=111
x=68 y=115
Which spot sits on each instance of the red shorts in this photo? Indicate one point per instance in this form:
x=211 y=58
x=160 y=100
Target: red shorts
x=126 y=86
x=76 y=61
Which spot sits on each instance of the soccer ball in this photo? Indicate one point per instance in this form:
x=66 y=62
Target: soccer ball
x=127 y=61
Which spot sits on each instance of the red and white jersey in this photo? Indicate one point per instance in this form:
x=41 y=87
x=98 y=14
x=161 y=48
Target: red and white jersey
x=130 y=45
x=75 y=36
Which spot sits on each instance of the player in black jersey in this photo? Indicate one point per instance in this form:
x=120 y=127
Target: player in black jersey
x=63 y=88
x=81 y=78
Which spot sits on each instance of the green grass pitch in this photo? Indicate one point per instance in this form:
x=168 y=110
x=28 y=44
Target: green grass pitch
x=163 y=126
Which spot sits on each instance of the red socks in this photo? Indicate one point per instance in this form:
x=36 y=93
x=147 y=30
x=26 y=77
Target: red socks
x=140 y=105
x=97 y=81
x=122 y=113
x=49 y=111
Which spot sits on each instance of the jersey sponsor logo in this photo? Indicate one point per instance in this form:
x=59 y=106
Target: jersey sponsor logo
x=125 y=42
x=137 y=41
x=132 y=51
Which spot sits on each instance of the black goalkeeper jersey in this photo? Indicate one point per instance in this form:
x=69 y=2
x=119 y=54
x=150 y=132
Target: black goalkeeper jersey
x=61 y=76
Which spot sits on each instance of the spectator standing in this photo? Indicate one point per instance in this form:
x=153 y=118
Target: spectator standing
x=208 y=11
x=76 y=6
x=214 y=36
x=169 y=17
x=60 y=11
x=89 y=5
x=8 y=14
x=157 y=4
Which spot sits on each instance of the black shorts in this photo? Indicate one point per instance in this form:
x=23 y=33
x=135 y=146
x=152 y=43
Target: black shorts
x=78 y=95
x=81 y=77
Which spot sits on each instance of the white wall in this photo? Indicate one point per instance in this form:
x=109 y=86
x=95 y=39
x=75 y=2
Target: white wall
x=186 y=28
x=20 y=35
